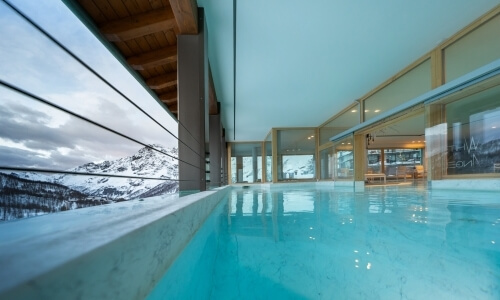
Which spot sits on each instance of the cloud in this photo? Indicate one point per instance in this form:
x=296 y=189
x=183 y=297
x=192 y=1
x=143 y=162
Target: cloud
x=37 y=135
x=28 y=130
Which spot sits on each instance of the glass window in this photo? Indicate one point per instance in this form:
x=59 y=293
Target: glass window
x=296 y=154
x=246 y=162
x=474 y=50
x=473 y=133
x=327 y=162
x=410 y=85
x=341 y=123
x=343 y=164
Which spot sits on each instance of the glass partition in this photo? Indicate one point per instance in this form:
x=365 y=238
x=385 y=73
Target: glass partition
x=343 y=162
x=410 y=85
x=473 y=133
x=340 y=123
x=327 y=161
x=246 y=162
x=467 y=139
x=296 y=154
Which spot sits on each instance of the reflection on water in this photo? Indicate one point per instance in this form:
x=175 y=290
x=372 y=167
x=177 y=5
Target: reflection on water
x=399 y=242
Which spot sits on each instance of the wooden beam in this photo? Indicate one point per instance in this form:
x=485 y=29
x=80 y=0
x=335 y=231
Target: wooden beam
x=162 y=81
x=186 y=15
x=139 y=25
x=153 y=58
x=172 y=108
x=168 y=98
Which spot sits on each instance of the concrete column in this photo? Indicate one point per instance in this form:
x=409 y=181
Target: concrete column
x=224 y=157
x=215 y=150
x=191 y=83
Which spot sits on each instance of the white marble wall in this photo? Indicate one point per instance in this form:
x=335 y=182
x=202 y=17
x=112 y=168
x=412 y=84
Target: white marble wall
x=117 y=251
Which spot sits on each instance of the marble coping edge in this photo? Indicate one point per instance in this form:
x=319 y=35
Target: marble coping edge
x=116 y=251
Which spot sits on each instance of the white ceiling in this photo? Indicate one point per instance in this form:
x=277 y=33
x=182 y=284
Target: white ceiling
x=299 y=62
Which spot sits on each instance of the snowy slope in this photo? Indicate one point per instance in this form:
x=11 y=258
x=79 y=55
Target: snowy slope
x=146 y=163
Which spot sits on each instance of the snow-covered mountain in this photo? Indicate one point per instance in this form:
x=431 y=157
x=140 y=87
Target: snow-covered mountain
x=24 y=194
x=146 y=163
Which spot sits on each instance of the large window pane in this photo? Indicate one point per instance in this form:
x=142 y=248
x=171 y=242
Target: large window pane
x=474 y=50
x=339 y=124
x=343 y=168
x=296 y=154
x=473 y=133
x=410 y=85
x=246 y=162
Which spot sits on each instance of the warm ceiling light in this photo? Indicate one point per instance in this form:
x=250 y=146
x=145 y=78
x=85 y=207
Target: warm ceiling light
x=353 y=110
x=366 y=110
x=343 y=143
x=413 y=141
x=348 y=143
x=308 y=137
x=377 y=110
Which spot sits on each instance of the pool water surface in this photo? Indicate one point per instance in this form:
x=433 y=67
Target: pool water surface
x=321 y=243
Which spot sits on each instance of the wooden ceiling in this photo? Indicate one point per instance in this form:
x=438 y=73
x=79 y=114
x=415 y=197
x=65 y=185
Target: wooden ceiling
x=145 y=33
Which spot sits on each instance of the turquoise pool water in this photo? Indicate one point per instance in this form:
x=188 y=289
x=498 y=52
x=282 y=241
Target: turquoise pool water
x=384 y=243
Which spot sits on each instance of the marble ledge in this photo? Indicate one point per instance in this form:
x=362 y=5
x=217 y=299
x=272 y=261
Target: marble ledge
x=466 y=184
x=105 y=252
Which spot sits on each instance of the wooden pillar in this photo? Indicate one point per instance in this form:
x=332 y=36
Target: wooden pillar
x=264 y=160
x=275 y=154
x=359 y=157
x=317 y=159
x=437 y=68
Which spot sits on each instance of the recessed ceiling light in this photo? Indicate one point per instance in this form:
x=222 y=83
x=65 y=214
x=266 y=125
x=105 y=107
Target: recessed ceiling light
x=377 y=110
x=366 y=110
x=413 y=141
x=348 y=143
x=494 y=127
x=353 y=110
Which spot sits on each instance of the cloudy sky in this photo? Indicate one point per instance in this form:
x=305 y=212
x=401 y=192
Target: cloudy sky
x=33 y=134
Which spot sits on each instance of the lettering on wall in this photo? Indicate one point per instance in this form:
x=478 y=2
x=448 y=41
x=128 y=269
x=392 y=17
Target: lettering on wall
x=465 y=155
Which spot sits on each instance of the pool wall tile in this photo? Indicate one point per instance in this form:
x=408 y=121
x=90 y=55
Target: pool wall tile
x=117 y=251
x=467 y=184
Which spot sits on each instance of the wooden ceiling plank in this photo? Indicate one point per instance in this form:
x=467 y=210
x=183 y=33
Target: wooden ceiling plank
x=172 y=108
x=133 y=7
x=139 y=25
x=119 y=8
x=171 y=37
x=169 y=97
x=144 y=5
x=153 y=58
x=186 y=15
x=93 y=11
x=162 y=81
x=106 y=9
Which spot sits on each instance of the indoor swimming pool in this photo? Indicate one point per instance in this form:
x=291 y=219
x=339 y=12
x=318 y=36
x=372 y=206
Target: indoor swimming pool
x=398 y=242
